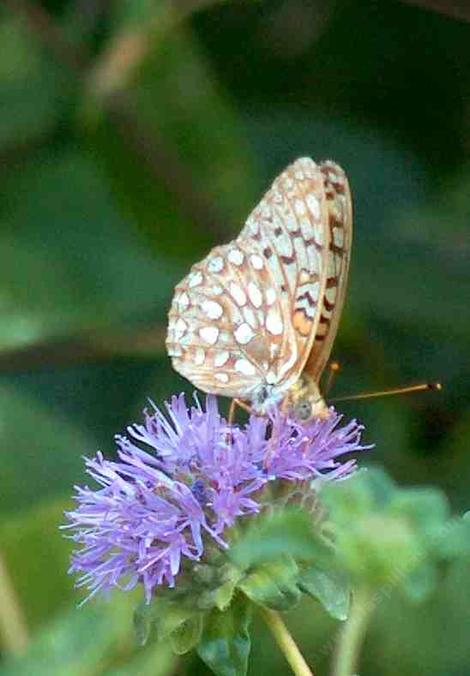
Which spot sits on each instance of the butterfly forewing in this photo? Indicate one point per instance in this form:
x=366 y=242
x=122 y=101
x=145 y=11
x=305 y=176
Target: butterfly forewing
x=339 y=203
x=246 y=318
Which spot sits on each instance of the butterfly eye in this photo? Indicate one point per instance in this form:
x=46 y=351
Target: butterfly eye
x=262 y=395
x=303 y=409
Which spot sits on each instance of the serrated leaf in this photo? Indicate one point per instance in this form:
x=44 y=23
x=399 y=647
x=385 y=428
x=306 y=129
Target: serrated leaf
x=330 y=588
x=391 y=535
x=289 y=533
x=186 y=635
x=173 y=617
x=368 y=490
x=161 y=618
x=221 y=588
x=273 y=584
x=219 y=597
x=225 y=594
x=225 y=643
x=426 y=508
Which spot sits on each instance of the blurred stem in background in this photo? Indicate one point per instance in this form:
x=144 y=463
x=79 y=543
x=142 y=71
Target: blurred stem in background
x=286 y=643
x=13 y=631
x=44 y=27
x=105 y=81
x=459 y=9
x=85 y=347
x=120 y=60
x=352 y=633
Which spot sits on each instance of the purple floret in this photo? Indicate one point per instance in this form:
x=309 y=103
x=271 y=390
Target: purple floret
x=182 y=479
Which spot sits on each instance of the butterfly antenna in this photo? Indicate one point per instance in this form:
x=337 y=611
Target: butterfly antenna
x=422 y=387
x=334 y=368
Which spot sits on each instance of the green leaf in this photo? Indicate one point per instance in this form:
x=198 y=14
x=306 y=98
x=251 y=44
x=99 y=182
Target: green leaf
x=331 y=588
x=421 y=582
x=392 y=536
x=426 y=508
x=218 y=583
x=186 y=635
x=225 y=644
x=273 y=584
x=377 y=549
x=218 y=597
x=37 y=556
x=224 y=594
x=289 y=533
x=372 y=542
x=367 y=490
x=200 y=120
x=179 y=165
x=201 y=588
x=85 y=268
x=143 y=615
x=135 y=13
x=79 y=642
x=155 y=660
x=27 y=75
x=419 y=234
x=161 y=618
x=36 y=441
x=453 y=540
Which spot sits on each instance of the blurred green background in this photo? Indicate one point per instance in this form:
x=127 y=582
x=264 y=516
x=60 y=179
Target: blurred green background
x=134 y=135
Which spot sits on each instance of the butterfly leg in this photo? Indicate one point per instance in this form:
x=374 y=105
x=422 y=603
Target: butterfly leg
x=231 y=411
x=233 y=407
x=333 y=370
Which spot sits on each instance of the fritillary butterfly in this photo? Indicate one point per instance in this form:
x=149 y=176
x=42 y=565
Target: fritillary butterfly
x=256 y=319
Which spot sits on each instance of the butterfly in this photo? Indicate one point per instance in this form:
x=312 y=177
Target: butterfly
x=256 y=319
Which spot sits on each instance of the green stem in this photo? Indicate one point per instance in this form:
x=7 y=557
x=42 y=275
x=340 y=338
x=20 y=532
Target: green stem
x=13 y=632
x=352 y=634
x=286 y=643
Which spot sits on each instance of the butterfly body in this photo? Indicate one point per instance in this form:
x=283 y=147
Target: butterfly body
x=257 y=317
x=305 y=400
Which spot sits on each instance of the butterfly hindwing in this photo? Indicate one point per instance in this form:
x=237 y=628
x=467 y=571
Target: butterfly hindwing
x=291 y=225
x=226 y=329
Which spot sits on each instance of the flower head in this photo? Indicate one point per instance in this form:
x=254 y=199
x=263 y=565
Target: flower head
x=181 y=479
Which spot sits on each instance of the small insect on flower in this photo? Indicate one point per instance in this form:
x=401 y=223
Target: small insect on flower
x=256 y=319
x=178 y=484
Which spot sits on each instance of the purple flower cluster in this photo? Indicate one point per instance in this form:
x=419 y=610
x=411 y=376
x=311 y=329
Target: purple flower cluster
x=196 y=476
